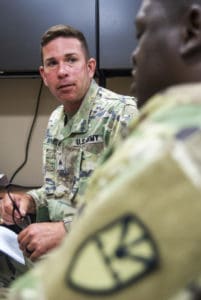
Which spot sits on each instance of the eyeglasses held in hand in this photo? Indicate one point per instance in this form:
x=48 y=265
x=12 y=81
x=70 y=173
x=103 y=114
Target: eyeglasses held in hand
x=24 y=220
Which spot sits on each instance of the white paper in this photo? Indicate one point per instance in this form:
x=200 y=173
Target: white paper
x=9 y=244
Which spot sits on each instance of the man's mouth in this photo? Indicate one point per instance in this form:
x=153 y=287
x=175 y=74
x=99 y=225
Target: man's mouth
x=134 y=73
x=65 y=86
x=133 y=85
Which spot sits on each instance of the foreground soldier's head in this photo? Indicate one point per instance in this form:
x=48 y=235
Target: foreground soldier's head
x=169 y=48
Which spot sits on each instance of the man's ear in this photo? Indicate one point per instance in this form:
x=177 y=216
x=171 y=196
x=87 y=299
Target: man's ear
x=42 y=74
x=91 y=65
x=191 y=31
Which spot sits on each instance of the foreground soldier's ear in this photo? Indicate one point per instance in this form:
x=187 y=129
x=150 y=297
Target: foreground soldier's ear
x=191 y=32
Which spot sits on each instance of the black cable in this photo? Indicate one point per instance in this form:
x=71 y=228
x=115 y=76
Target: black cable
x=27 y=187
x=29 y=137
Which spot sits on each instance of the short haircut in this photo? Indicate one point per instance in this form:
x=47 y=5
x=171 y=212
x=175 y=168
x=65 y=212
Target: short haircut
x=176 y=8
x=65 y=31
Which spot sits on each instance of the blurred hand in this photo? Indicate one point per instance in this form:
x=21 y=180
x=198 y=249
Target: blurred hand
x=23 y=201
x=39 y=238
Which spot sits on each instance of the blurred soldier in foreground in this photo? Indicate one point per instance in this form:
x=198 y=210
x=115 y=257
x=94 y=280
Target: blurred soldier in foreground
x=139 y=236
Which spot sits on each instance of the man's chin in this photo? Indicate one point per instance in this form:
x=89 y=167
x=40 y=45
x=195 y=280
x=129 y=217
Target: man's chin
x=140 y=96
x=133 y=89
x=63 y=97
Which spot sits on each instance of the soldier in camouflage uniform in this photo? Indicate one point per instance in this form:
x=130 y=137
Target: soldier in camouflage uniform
x=138 y=233
x=73 y=150
x=88 y=121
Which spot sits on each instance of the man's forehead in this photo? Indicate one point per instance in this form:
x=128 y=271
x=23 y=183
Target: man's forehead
x=145 y=6
x=62 y=45
x=144 y=10
x=150 y=9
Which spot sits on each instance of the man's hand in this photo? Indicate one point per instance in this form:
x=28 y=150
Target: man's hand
x=23 y=201
x=39 y=238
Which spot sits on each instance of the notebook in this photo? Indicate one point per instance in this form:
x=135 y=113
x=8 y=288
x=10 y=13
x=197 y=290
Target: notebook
x=9 y=244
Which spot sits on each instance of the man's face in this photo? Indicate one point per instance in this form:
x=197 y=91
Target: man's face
x=156 y=58
x=66 y=71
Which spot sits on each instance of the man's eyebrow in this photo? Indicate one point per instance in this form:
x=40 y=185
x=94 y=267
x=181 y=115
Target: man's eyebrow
x=50 y=58
x=70 y=54
x=139 y=19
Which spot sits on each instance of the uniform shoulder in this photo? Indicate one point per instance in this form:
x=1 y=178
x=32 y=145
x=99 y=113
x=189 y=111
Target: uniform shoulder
x=57 y=113
x=111 y=96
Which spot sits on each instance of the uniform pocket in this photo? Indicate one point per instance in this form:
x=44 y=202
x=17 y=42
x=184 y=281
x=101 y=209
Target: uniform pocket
x=90 y=158
x=68 y=162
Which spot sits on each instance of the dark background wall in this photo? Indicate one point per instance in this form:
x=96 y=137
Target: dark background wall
x=107 y=24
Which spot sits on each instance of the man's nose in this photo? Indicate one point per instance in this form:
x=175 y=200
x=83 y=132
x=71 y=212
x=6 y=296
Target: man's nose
x=134 y=57
x=63 y=69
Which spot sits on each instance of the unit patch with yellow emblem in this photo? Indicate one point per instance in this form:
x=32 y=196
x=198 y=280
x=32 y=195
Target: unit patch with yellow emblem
x=114 y=257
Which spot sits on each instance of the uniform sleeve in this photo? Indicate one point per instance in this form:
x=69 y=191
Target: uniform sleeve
x=49 y=149
x=39 y=195
x=124 y=112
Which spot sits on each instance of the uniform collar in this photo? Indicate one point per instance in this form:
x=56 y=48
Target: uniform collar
x=79 y=122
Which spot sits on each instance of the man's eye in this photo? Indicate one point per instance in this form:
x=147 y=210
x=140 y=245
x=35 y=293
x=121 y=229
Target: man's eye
x=139 y=29
x=51 y=63
x=71 y=60
x=139 y=35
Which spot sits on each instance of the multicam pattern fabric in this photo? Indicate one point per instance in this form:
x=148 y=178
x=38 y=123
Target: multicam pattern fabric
x=9 y=270
x=72 y=151
x=3 y=293
x=143 y=205
x=191 y=292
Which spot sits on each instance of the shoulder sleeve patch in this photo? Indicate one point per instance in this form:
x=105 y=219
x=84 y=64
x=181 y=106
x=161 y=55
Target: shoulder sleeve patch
x=118 y=255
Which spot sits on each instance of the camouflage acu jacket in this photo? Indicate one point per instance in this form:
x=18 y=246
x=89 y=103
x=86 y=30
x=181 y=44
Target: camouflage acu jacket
x=138 y=237
x=71 y=151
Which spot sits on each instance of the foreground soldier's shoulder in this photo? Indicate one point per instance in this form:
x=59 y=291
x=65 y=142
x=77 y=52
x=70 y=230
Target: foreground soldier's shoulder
x=3 y=293
x=109 y=95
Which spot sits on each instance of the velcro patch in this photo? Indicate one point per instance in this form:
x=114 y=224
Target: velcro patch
x=118 y=255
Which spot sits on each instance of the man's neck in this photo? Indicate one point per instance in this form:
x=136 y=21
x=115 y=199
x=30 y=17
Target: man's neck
x=71 y=108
